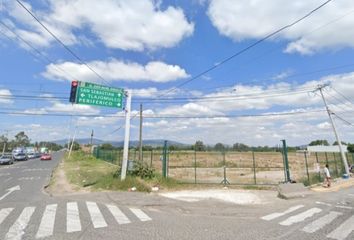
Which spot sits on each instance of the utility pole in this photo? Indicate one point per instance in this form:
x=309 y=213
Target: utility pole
x=72 y=142
x=5 y=142
x=141 y=134
x=127 y=135
x=344 y=159
x=91 y=137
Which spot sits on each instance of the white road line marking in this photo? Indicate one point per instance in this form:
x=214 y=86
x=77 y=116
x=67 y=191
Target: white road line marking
x=277 y=214
x=17 y=229
x=343 y=230
x=344 y=207
x=140 y=214
x=300 y=217
x=4 y=174
x=321 y=222
x=73 y=223
x=326 y=204
x=4 y=213
x=47 y=223
x=118 y=214
x=350 y=194
x=96 y=215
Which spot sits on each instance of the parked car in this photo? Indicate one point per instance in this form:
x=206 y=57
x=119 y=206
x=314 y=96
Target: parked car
x=6 y=159
x=46 y=156
x=19 y=154
x=30 y=151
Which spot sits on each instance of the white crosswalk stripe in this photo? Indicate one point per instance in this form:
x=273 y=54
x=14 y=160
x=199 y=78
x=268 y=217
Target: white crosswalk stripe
x=17 y=229
x=96 y=215
x=118 y=214
x=47 y=223
x=73 y=223
x=140 y=214
x=343 y=231
x=276 y=215
x=4 y=213
x=321 y=222
x=300 y=217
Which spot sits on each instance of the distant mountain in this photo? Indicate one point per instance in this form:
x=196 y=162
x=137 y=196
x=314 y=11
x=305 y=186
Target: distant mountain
x=148 y=142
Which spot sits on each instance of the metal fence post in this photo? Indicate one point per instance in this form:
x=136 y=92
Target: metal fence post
x=286 y=161
x=335 y=163
x=326 y=158
x=152 y=155
x=254 y=168
x=164 y=160
x=224 y=181
x=319 y=172
x=307 y=169
x=195 y=166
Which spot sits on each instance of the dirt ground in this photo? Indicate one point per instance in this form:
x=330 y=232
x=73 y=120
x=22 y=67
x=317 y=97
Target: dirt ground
x=59 y=184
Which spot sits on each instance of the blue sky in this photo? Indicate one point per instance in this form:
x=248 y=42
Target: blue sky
x=152 y=47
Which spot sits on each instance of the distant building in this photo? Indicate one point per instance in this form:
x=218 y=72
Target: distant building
x=321 y=148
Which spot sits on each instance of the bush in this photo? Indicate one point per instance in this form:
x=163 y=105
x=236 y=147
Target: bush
x=140 y=169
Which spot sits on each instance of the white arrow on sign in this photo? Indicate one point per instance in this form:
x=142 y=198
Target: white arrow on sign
x=10 y=190
x=82 y=95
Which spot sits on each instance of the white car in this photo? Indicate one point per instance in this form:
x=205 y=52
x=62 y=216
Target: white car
x=6 y=159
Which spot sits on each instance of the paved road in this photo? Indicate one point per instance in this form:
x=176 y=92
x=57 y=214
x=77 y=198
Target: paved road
x=29 y=213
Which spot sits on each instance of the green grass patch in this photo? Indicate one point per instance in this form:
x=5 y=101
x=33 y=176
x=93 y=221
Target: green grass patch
x=86 y=171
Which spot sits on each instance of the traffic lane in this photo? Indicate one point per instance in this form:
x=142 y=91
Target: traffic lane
x=31 y=178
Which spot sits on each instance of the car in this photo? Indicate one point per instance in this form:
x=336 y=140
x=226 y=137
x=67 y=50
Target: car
x=46 y=156
x=6 y=159
x=19 y=154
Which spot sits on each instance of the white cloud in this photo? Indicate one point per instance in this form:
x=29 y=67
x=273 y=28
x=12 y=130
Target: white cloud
x=5 y=96
x=324 y=125
x=116 y=70
x=127 y=25
x=329 y=27
x=283 y=75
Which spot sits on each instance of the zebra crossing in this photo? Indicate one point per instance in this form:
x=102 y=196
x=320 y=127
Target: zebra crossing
x=47 y=223
x=318 y=217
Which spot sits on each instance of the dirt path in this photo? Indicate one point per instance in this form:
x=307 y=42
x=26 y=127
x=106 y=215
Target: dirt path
x=59 y=184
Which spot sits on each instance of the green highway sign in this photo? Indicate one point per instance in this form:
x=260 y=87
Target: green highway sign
x=98 y=95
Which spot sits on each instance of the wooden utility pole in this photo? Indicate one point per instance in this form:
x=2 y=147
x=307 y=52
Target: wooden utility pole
x=141 y=134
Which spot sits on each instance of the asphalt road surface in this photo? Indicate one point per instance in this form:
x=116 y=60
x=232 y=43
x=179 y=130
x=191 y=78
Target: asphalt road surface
x=27 y=212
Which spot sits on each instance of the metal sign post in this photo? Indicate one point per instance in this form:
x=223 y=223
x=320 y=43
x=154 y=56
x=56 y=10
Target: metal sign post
x=127 y=135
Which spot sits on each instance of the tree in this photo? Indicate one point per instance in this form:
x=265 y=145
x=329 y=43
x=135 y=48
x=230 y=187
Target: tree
x=319 y=142
x=107 y=146
x=3 y=142
x=219 y=147
x=21 y=139
x=76 y=146
x=199 y=146
x=350 y=148
x=240 y=147
x=336 y=143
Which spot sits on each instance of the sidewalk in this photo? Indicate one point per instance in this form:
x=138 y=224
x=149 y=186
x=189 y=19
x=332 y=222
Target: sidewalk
x=337 y=184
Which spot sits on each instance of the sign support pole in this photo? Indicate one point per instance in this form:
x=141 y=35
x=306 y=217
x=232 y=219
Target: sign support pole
x=127 y=135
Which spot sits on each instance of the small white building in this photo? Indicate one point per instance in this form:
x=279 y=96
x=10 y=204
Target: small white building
x=321 y=148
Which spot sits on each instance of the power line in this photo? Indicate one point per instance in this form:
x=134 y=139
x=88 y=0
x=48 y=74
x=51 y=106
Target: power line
x=162 y=116
x=255 y=95
x=342 y=119
x=35 y=49
x=346 y=98
x=248 y=47
x=63 y=44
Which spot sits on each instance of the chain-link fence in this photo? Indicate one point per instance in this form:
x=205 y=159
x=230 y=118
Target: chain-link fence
x=240 y=168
